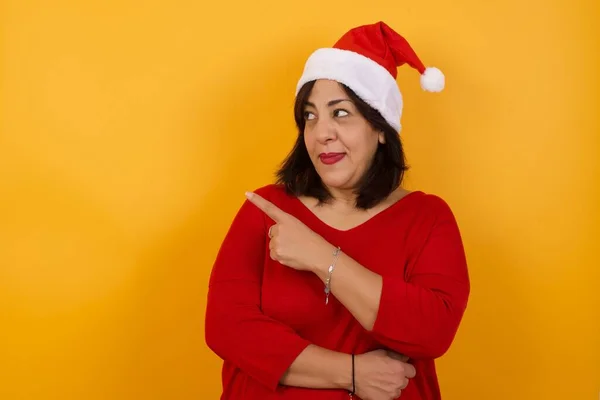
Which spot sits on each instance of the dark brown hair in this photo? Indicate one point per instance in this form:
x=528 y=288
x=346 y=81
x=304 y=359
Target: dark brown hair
x=299 y=177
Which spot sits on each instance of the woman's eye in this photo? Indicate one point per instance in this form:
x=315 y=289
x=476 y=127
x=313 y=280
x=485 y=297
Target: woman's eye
x=340 y=113
x=308 y=115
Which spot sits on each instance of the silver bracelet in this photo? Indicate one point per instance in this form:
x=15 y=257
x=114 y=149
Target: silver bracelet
x=336 y=252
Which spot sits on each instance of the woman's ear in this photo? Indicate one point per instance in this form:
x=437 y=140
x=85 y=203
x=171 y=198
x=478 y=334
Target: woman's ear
x=381 y=137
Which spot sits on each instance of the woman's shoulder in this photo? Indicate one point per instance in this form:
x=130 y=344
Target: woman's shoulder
x=433 y=200
x=429 y=205
x=269 y=189
x=274 y=192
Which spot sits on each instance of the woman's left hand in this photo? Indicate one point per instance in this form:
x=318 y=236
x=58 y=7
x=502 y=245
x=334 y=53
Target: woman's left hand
x=292 y=243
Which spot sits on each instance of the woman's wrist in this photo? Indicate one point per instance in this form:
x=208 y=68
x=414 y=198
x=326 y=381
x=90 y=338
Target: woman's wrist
x=343 y=372
x=322 y=259
x=320 y=368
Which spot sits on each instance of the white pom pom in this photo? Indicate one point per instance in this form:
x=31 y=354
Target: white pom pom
x=433 y=80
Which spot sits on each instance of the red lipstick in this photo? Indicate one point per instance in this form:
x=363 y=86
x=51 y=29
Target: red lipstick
x=331 y=158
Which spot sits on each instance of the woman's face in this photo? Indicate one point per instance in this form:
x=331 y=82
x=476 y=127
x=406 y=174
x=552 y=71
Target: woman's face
x=340 y=141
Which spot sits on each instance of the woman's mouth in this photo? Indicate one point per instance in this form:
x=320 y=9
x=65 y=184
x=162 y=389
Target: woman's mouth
x=331 y=158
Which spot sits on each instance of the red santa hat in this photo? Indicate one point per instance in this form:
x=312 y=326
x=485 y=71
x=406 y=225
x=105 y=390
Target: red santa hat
x=366 y=59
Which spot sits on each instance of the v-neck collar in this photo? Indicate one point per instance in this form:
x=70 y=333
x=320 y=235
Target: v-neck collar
x=373 y=219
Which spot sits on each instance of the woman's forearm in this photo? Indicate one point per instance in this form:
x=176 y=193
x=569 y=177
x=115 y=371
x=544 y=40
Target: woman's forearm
x=357 y=288
x=319 y=368
x=416 y=316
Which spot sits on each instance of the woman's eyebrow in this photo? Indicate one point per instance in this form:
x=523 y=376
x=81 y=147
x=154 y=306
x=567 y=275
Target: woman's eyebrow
x=329 y=104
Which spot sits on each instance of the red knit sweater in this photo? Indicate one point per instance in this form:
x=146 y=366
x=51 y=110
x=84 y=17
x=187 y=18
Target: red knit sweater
x=260 y=314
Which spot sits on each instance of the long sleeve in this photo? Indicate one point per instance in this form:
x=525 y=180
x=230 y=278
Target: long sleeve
x=419 y=314
x=235 y=327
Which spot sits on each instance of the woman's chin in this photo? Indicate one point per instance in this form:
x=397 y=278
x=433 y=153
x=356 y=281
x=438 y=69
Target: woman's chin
x=336 y=180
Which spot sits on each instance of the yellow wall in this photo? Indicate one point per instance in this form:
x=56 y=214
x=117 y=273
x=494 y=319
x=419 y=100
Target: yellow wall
x=125 y=140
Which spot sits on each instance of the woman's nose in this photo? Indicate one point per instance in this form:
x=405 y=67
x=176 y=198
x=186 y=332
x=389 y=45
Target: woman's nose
x=325 y=130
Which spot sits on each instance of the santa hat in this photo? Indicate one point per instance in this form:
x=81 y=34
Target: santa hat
x=366 y=59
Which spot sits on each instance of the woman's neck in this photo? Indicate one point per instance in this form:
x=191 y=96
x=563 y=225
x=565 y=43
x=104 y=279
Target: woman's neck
x=342 y=199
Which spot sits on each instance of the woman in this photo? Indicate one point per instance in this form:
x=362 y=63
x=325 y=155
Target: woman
x=337 y=280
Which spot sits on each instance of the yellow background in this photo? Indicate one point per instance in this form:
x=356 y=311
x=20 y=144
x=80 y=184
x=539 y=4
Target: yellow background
x=125 y=150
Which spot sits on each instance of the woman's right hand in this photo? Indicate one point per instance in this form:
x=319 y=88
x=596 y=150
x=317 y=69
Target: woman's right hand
x=381 y=375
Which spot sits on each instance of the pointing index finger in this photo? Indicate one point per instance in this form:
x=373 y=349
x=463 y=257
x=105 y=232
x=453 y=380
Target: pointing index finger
x=266 y=206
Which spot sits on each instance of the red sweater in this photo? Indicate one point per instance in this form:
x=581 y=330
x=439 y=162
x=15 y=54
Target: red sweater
x=261 y=315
